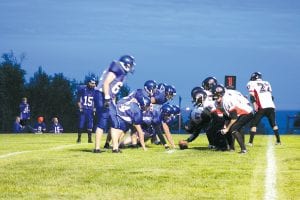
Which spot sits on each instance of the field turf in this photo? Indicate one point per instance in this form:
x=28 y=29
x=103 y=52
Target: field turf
x=51 y=166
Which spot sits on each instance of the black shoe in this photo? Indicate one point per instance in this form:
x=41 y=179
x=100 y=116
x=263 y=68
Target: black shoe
x=78 y=140
x=90 y=141
x=106 y=146
x=122 y=146
x=96 y=151
x=116 y=151
x=133 y=146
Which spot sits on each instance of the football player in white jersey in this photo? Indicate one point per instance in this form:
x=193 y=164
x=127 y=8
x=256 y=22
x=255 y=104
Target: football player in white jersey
x=216 y=140
x=237 y=109
x=261 y=97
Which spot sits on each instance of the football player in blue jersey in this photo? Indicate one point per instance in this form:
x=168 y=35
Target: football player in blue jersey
x=85 y=102
x=40 y=126
x=24 y=114
x=129 y=112
x=150 y=87
x=163 y=93
x=152 y=125
x=108 y=86
x=56 y=127
x=17 y=127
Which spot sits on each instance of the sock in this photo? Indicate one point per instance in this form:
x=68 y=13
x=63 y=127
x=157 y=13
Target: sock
x=277 y=136
x=251 y=137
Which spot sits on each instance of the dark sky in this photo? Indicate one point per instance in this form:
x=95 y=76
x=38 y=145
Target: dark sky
x=174 y=41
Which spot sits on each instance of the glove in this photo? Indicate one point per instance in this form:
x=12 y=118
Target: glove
x=106 y=103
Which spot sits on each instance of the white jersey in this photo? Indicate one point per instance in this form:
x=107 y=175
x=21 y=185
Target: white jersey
x=262 y=92
x=234 y=101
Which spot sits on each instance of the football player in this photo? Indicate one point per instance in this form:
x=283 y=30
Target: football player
x=199 y=117
x=150 y=87
x=262 y=100
x=56 y=127
x=24 y=113
x=153 y=124
x=237 y=109
x=85 y=103
x=108 y=86
x=40 y=126
x=129 y=112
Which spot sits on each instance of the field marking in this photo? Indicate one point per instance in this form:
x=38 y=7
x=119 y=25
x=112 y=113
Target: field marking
x=13 y=154
x=270 y=181
x=22 y=152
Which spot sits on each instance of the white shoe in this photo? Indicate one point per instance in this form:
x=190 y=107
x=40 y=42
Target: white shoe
x=243 y=151
x=278 y=143
x=250 y=144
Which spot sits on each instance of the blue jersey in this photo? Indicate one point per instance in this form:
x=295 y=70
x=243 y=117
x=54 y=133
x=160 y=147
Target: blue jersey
x=56 y=128
x=115 y=86
x=138 y=92
x=17 y=128
x=86 y=97
x=129 y=110
x=39 y=127
x=24 y=111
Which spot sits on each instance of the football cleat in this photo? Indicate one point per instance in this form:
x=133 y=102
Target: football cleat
x=106 y=146
x=116 y=151
x=243 y=151
x=96 y=151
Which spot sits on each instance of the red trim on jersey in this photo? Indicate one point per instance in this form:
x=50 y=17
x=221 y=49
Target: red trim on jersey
x=239 y=111
x=257 y=100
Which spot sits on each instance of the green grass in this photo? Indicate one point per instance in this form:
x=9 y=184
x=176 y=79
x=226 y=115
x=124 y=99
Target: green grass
x=55 y=167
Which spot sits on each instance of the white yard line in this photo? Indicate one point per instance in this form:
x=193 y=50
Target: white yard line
x=22 y=152
x=270 y=181
x=13 y=154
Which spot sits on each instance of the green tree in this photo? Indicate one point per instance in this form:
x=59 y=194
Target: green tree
x=62 y=103
x=38 y=95
x=12 y=81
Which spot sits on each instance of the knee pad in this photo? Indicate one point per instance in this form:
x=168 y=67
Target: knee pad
x=275 y=128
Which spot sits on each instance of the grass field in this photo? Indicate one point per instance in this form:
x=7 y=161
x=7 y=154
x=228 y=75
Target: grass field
x=55 y=167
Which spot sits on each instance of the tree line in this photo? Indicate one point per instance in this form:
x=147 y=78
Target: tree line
x=48 y=96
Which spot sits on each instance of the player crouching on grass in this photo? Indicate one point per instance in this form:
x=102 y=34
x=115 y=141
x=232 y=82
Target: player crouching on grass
x=155 y=122
x=233 y=105
x=127 y=113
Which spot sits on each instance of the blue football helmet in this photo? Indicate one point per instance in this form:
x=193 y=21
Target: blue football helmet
x=143 y=101
x=170 y=92
x=176 y=110
x=150 y=86
x=218 y=91
x=161 y=86
x=129 y=63
x=255 y=76
x=91 y=82
x=167 y=110
x=209 y=83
